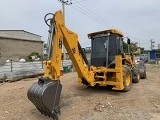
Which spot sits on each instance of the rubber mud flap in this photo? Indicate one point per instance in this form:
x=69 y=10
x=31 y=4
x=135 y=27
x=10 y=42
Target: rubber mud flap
x=45 y=95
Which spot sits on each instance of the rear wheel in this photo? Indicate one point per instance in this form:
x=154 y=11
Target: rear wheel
x=127 y=78
x=136 y=75
x=145 y=75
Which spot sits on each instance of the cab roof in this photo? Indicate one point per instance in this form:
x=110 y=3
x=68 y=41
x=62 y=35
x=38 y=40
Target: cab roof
x=112 y=31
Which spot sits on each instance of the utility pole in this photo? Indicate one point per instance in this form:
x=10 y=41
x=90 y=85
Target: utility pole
x=63 y=10
x=64 y=2
x=152 y=46
x=63 y=48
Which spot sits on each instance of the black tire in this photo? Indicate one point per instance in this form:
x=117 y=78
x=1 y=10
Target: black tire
x=145 y=75
x=136 y=75
x=127 y=78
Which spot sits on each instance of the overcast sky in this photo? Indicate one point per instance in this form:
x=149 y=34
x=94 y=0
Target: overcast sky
x=137 y=19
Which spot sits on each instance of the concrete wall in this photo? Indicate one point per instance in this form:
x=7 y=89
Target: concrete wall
x=26 y=68
x=16 y=49
x=20 y=69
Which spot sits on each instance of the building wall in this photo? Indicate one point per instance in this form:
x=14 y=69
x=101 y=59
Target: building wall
x=154 y=55
x=16 y=49
x=19 y=34
x=158 y=54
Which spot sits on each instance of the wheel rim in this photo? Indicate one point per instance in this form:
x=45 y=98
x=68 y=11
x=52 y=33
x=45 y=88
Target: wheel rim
x=128 y=78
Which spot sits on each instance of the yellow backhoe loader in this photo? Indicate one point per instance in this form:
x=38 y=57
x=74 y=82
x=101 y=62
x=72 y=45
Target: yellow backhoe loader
x=109 y=65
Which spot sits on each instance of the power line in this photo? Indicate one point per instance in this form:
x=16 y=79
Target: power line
x=98 y=17
x=102 y=20
x=135 y=38
x=84 y=10
x=78 y=1
x=89 y=14
x=93 y=18
x=93 y=15
x=86 y=43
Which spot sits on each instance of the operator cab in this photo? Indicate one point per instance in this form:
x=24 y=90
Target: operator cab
x=104 y=46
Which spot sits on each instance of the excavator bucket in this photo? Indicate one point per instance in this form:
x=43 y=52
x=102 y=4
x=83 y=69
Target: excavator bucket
x=45 y=95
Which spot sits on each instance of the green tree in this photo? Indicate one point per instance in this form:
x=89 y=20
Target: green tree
x=29 y=57
x=125 y=47
x=143 y=51
x=132 y=47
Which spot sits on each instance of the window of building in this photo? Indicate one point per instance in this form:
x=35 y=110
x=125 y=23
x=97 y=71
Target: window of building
x=157 y=54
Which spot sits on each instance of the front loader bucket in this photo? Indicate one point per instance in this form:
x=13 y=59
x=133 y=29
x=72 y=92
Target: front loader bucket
x=45 y=95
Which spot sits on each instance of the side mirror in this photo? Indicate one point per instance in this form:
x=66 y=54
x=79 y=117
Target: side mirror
x=128 y=41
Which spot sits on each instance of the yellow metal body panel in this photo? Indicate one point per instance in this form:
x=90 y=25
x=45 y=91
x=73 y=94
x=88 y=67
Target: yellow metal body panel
x=93 y=75
x=70 y=40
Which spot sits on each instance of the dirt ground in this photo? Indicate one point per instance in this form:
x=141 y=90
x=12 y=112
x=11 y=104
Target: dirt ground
x=79 y=102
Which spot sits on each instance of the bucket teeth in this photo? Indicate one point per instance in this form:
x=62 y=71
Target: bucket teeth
x=45 y=95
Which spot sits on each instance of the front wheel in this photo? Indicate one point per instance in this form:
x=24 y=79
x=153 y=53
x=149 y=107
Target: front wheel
x=127 y=78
